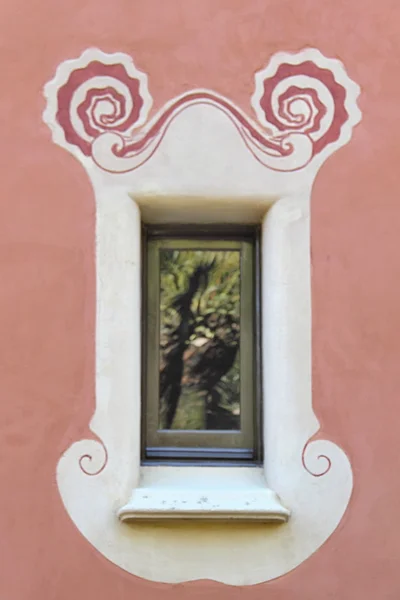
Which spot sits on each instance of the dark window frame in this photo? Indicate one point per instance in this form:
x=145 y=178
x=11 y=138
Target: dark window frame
x=208 y=454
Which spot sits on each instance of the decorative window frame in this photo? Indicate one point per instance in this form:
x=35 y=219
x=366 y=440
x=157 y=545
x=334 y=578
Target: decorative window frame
x=201 y=158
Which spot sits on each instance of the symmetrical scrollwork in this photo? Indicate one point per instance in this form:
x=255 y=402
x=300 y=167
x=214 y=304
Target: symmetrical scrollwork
x=103 y=102
x=305 y=107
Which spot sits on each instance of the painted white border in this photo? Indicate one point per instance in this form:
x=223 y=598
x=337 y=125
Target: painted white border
x=202 y=170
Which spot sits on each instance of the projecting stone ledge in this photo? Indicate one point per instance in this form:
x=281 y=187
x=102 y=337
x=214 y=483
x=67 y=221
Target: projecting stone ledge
x=222 y=494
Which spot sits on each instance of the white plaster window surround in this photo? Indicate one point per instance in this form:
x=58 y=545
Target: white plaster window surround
x=201 y=159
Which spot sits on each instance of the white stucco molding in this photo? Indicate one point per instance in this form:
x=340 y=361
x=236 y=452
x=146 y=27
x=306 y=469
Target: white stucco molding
x=201 y=158
x=204 y=494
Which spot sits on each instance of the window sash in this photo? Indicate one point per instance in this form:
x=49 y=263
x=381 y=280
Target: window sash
x=212 y=444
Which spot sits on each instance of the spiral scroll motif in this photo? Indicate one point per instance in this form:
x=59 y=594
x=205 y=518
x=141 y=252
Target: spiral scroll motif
x=96 y=99
x=95 y=460
x=315 y=463
x=98 y=103
x=304 y=98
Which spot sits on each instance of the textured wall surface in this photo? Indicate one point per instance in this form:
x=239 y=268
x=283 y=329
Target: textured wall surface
x=47 y=292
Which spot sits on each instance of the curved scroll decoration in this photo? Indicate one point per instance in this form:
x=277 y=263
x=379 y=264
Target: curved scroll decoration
x=103 y=103
x=315 y=463
x=98 y=108
x=95 y=459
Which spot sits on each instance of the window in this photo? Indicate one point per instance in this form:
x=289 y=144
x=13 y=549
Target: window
x=201 y=381
x=201 y=159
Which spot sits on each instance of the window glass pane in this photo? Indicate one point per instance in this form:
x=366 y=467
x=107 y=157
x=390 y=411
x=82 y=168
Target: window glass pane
x=200 y=358
x=199 y=336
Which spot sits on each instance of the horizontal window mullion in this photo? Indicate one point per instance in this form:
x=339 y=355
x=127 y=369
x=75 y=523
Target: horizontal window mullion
x=200 y=453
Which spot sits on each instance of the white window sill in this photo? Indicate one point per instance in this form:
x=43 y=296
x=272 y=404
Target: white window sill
x=206 y=493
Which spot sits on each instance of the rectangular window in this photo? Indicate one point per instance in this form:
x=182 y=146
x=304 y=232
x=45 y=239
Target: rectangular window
x=201 y=356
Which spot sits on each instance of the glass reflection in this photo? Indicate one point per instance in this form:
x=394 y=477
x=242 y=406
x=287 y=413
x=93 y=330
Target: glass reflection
x=199 y=339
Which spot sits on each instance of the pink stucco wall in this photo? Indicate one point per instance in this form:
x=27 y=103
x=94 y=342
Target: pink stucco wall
x=47 y=292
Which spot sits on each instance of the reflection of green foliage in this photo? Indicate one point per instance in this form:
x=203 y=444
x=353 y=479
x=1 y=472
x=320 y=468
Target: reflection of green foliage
x=229 y=386
x=222 y=294
x=218 y=294
x=190 y=412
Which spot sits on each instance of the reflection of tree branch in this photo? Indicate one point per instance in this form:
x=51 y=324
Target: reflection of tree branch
x=171 y=368
x=209 y=362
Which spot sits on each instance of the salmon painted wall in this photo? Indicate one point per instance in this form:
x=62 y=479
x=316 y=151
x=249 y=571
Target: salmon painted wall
x=47 y=291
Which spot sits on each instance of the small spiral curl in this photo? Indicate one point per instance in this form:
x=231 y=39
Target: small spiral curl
x=95 y=460
x=310 y=455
